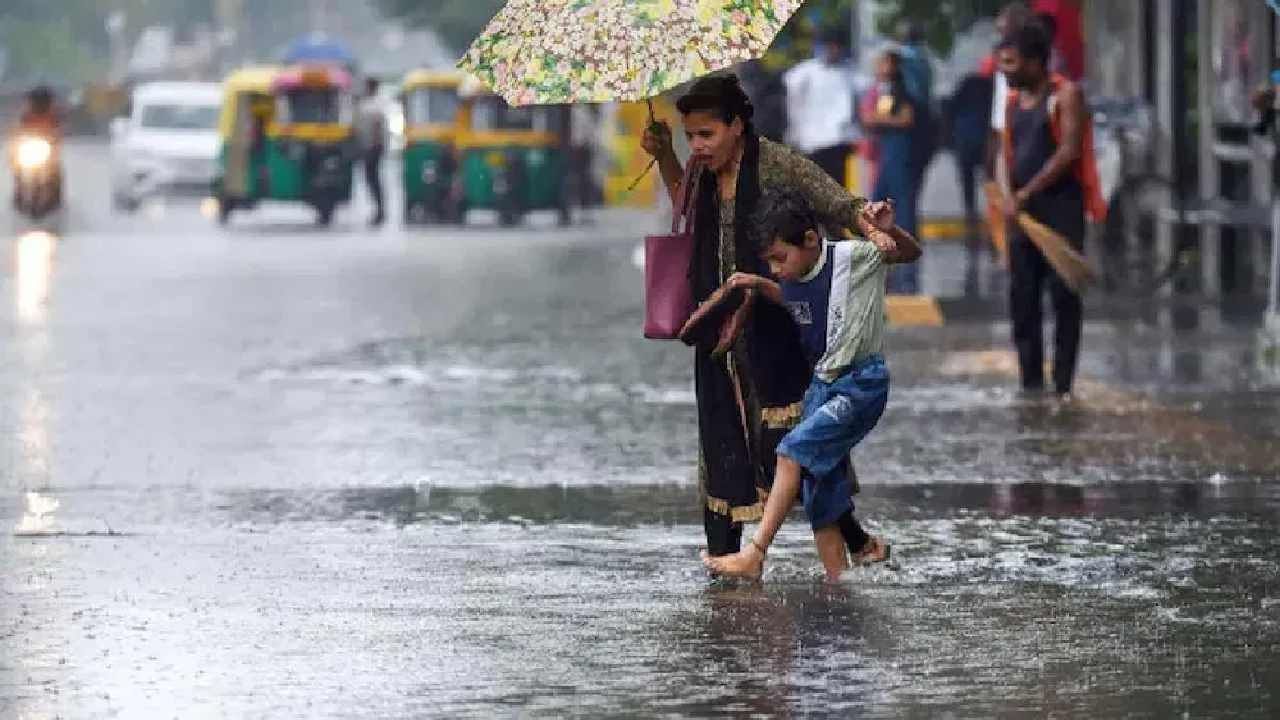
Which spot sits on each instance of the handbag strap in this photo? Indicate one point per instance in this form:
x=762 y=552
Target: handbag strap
x=686 y=198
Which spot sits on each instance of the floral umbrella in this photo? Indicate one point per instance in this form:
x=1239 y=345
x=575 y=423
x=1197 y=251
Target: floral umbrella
x=541 y=52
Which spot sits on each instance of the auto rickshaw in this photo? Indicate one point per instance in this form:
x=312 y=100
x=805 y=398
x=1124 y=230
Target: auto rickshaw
x=287 y=136
x=510 y=159
x=432 y=113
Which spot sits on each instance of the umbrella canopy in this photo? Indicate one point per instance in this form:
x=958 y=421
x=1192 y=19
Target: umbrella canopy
x=564 y=51
x=318 y=49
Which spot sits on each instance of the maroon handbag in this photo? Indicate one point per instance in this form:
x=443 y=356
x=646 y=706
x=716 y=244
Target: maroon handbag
x=668 y=297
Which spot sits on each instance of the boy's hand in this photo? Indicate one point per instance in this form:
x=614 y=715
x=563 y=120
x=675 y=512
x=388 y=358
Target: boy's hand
x=743 y=281
x=884 y=242
x=880 y=215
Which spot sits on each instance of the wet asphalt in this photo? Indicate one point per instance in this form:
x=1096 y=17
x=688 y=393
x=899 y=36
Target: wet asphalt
x=276 y=471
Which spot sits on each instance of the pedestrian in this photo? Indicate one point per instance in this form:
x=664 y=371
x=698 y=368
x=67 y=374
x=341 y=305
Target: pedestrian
x=917 y=82
x=820 y=107
x=889 y=115
x=1011 y=18
x=967 y=112
x=371 y=128
x=1048 y=155
x=749 y=397
x=836 y=293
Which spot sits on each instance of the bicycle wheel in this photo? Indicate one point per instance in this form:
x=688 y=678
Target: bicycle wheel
x=1131 y=263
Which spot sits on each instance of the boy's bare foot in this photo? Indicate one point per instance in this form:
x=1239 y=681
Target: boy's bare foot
x=746 y=563
x=875 y=551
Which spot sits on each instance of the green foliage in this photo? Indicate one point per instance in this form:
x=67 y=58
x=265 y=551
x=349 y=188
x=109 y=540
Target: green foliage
x=67 y=41
x=941 y=19
x=45 y=50
x=795 y=42
x=457 y=22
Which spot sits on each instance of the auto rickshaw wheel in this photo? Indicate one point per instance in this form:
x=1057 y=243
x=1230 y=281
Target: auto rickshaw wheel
x=415 y=213
x=324 y=214
x=225 y=207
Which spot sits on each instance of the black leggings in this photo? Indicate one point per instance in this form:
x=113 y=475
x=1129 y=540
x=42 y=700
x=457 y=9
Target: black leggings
x=373 y=178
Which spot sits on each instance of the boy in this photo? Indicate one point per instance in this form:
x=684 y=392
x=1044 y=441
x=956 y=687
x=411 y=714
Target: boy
x=835 y=292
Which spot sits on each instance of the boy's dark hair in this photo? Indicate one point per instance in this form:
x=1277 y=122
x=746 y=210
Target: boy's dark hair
x=1031 y=41
x=720 y=94
x=785 y=215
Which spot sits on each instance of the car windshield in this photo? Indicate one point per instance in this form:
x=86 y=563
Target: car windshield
x=314 y=106
x=494 y=114
x=432 y=105
x=180 y=117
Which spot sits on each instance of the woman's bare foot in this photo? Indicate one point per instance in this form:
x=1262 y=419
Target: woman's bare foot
x=746 y=563
x=875 y=551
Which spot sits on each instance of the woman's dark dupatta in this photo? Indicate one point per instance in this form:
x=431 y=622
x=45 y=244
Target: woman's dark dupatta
x=779 y=375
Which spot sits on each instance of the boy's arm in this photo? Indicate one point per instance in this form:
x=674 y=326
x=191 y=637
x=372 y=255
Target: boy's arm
x=906 y=248
x=771 y=290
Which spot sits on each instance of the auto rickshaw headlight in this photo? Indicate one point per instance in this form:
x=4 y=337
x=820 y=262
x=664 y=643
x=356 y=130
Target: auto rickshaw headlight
x=33 y=152
x=429 y=172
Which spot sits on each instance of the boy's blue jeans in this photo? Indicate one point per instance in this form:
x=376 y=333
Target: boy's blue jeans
x=836 y=417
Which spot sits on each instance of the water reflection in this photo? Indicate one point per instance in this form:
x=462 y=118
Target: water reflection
x=669 y=504
x=37 y=516
x=35 y=252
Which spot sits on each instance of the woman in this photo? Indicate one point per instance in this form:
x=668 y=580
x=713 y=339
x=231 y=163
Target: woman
x=888 y=114
x=748 y=398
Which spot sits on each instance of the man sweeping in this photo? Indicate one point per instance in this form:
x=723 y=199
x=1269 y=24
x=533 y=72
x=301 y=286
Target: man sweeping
x=1052 y=178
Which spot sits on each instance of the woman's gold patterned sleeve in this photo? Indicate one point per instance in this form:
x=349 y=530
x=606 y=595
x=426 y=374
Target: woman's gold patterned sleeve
x=836 y=206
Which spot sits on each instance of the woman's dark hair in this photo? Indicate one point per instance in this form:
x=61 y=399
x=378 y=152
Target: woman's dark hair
x=784 y=215
x=1030 y=41
x=898 y=82
x=720 y=94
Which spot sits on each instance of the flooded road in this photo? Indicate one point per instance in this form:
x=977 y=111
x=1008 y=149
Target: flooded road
x=273 y=471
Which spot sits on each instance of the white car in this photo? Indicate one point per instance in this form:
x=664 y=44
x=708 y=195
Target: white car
x=168 y=145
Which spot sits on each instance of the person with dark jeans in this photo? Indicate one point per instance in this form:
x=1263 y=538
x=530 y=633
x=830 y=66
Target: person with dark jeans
x=1044 y=140
x=968 y=113
x=371 y=137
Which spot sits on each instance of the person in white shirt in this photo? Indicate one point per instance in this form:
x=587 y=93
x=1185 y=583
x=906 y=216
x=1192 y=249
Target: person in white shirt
x=820 y=119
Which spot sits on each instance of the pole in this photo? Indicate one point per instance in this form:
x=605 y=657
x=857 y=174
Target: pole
x=1273 y=296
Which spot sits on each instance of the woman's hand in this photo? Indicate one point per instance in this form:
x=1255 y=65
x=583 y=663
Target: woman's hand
x=657 y=140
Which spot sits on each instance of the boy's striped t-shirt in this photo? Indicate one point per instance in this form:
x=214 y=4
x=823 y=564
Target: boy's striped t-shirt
x=839 y=306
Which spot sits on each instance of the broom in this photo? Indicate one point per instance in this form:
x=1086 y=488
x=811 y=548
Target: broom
x=1070 y=265
x=1066 y=261
x=996 y=223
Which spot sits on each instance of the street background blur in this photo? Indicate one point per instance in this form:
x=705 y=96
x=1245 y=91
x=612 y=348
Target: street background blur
x=257 y=465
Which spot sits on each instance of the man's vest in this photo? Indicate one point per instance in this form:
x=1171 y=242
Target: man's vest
x=1085 y=168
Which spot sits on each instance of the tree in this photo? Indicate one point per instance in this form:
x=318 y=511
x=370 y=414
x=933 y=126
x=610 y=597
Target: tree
x=457 y=22
x=941 y=19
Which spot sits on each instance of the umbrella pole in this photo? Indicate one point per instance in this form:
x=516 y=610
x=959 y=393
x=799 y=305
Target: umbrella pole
x=652 y=121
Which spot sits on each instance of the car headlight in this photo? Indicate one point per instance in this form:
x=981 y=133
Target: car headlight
x=33 y=152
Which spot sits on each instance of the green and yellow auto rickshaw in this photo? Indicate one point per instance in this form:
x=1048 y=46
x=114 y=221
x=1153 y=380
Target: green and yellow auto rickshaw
x=432 y=113
x=287 y=135
x=510 y=159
